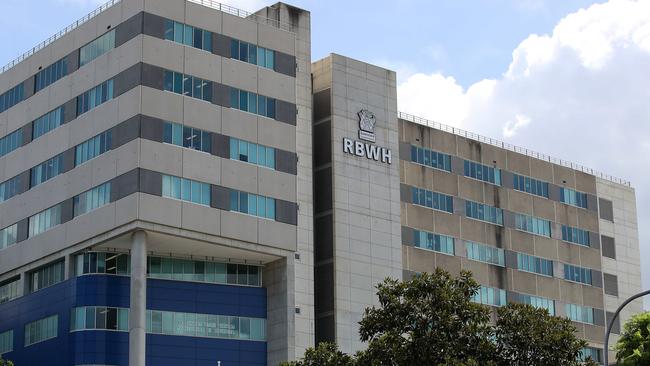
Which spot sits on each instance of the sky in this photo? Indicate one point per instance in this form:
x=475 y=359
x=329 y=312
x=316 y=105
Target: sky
x=568 y=78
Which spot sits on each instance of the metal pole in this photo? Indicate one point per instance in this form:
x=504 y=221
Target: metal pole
x=611 y=322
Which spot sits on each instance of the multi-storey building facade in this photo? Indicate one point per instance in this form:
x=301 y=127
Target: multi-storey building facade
x=179 y=184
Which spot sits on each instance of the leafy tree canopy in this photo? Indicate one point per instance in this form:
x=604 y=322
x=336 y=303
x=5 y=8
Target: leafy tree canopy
x=633 y=348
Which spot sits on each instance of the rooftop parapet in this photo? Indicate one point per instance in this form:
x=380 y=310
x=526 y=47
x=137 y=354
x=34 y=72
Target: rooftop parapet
x=504 y=145
x=208 y=3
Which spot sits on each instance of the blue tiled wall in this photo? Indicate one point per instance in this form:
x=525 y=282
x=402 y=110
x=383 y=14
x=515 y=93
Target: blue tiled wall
x=110 y=347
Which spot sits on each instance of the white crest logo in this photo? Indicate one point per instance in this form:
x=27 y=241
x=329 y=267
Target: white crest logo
x=367 y=123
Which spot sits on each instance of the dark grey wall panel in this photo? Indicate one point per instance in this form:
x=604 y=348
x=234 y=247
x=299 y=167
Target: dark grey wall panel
x=285 y=112
x=459 y=206
x=285 y=64
x=154 y=25
x=322 y=104
x=599 y=317
x=608 y=247
x=221 y=95
x=324 y=287
x=152 y=76
x=220 y=197
x=405 y=193
x=323 y=238
x=73 y=61
x=610 y=284
x=128 y=29
x=408 y=236
x=594 y=240
x=29 y=86
x=405 y=151
x=457 y=166
x=286 y=212
x=125 y=132
x=22 y=230
x=24 y=181
x=596 y=278
x=323 y=190
x=70 y=110
x=67 y=212
x=616 y=326
x=508 y=219
x=511 y=259
x=125 y=184
x=68 y=160
x=513 y=297
x=322 y=142
x=221 y=45
x=606 y=209
x=507 y=179
x=554 y=192
x=220 y=145
x=150 y=182
x=286 y=161
x=151 y=128
x=27 y=133
x=592 y=203
x=127 y=80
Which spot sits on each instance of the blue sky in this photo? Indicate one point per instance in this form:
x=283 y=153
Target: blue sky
x=567 y=78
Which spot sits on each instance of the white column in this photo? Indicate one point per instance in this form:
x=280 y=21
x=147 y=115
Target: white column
x=138 y=311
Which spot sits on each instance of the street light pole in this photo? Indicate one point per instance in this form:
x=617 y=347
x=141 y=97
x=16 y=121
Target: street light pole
x=611 y=322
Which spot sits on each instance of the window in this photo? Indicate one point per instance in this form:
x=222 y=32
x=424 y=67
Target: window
x=577 y=274
x=430 y=158
x=187 y=85
x=8 y=236
x=6 y=341
x=485 y=253
x=251 y=53
x=490 y=296
x=47 y=122
x=188 y=35
x=9 y=188
x=577 y=313
x=46 y=276
x=204 y=271
x=92 y=199
x=9 y=290
x=45 y=220
x=206 y=325
x=95 y=97
x=103 y=263
x=12 y=97
x=482 y=172
x=575 y=235
x=186 y=190
x=434 y=200
x=46 y=171
x=483 y=212
x=97 y=48
x=92 y=148
x=573 y=198
x=99 y=317
x=528 y=263
x=435 y=242
x=50 y=74
x=594 y=353
x=252 y=204
x=41 y=330
x=252 y=103
x=533 y=225
x=539 y=302
x=530 y=185
x=193 y=138
x=252 y=153
x=11 y=142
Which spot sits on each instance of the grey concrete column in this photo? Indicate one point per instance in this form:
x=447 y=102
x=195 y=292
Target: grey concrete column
x=138 y=311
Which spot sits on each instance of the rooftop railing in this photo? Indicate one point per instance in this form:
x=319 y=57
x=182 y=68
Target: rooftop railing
x=209 y=3
x=504 y=145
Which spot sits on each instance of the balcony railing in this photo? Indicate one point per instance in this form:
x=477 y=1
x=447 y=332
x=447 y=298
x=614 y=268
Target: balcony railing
x=507 y=146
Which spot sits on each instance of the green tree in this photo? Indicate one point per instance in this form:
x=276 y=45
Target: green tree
x=325 y=354
x=4 y=362
x=529 y=336
x=427 y=320
x=633 y=348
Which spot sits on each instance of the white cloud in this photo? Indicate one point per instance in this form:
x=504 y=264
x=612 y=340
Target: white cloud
x=580 y=93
